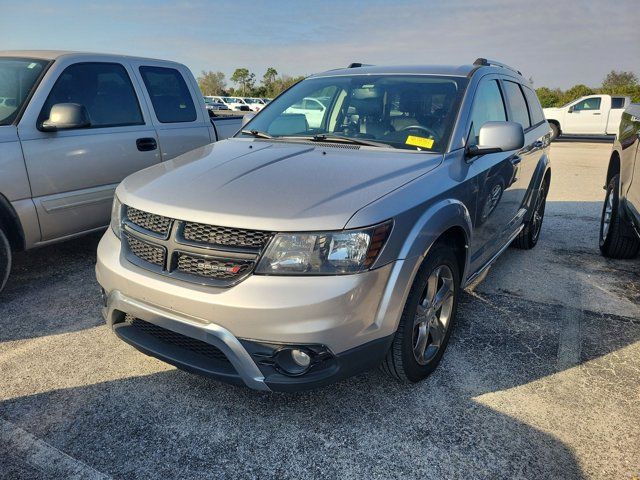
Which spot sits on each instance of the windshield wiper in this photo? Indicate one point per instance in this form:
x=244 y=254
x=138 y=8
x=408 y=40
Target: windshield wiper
x=323 y=137
x=256 y=134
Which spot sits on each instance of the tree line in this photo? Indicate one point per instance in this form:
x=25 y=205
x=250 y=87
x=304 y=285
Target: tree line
x=615 y=83
x=245 y=83
x=272 y=83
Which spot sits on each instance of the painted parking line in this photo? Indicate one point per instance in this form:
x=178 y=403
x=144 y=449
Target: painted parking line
x=41 y=456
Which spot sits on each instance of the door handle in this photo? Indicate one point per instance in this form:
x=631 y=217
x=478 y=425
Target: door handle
x=146 y=144
x=538 y=144
x=596 y=113
x=516 y=159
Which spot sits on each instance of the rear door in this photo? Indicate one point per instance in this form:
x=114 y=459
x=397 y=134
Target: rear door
x=73 y=173
x=587 y=116
x=179 y=115
x=615 y=114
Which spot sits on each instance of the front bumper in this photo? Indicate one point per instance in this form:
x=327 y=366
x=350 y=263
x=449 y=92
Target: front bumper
x=353 y=317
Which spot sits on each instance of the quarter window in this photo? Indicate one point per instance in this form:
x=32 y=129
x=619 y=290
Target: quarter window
x=517 y=104
x=592 y=103
x=617 y=102
x=104 y=89
x=537 y=116
x=169 y=94
x=488 y=106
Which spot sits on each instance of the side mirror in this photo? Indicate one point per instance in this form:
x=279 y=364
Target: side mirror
x=571 y=108
x=497 y=137
x=247 y=118
x=66 y=116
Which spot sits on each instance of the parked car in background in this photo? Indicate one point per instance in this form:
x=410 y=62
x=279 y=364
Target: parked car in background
x=293 y=254
x=212 y=104
x=255 y=104
x=590 y=115
x=78 y=124
x=313 y=109
x=236 y=103
x=266 y=100
x=620 y=223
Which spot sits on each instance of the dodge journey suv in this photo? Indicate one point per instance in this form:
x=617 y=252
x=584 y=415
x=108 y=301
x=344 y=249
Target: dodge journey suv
x=312 y=247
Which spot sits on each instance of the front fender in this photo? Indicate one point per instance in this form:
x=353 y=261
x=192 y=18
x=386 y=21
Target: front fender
x=427 y=229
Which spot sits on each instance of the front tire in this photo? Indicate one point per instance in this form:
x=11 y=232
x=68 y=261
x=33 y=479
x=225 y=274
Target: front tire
x=617 y=238
x=5 y=259
x=428 y=318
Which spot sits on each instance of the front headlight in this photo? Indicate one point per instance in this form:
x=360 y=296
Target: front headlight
x=116 y=216
x=326 y=253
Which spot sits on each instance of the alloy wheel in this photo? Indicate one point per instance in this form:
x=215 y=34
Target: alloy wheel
x=433 y=315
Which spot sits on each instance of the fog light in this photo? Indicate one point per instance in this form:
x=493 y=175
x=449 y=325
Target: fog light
x=300 y=358
x=292 y=361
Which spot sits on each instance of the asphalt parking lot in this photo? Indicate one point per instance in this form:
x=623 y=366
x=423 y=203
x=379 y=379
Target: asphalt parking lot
x=541 y=379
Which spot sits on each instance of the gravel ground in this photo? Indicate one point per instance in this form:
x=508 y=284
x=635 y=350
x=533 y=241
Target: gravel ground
x=541 y=378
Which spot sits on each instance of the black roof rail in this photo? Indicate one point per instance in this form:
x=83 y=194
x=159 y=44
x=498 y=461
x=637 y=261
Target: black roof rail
x=358 y=65
x=483 y=62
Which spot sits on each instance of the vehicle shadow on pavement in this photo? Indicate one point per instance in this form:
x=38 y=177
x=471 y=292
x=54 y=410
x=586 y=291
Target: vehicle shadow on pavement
x=172 y=424
x=51 y=290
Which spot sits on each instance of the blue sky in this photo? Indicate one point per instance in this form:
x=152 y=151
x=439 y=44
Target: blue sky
x=557 y=42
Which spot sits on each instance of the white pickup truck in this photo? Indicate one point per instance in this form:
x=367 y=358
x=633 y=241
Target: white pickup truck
x=590 y=115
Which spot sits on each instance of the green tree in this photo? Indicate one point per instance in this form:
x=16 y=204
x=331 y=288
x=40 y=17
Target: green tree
x=212 y=83
x=575 y=92
x=548 y=97
x=268 y=80
x=244 y=79
x=615 y=79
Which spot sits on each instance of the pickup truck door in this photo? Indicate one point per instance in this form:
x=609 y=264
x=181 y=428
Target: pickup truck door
x=73 y=173
x=177 y=107
x=587 y=116
x=618 y=105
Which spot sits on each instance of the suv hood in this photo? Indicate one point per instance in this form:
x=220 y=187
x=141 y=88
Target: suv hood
x=277 y=186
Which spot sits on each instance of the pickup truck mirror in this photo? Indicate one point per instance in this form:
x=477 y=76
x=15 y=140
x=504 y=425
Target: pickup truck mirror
x=497 y=137
x=247 y=118
x=571 y=108
x=66 y=116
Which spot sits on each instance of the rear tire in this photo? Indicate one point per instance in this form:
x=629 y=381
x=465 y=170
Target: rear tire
x=618 y=239
x=428 y=318
x=5 y=259
x=555 y=131
x=530 y=234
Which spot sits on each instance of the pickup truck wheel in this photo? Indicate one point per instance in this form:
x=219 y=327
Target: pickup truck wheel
x=5 y=259
x=528 y=237
x=617 y=238
x=427 y=319
x=555 y=131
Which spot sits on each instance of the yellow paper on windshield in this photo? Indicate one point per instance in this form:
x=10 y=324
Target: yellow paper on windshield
x=420 y=141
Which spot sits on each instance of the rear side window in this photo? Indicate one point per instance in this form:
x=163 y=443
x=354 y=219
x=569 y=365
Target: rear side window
x=535 y=110
x=169 y=94
x=617 y=102
x=517 y=104
x=104 y=89
x=488 y=106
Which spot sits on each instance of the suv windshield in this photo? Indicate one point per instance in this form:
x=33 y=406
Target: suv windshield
x=18 y=77
x=414 y=112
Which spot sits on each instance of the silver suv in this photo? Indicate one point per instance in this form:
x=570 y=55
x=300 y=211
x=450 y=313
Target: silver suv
x=333 y=235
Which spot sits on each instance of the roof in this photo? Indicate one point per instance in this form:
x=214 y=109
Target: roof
x=56 y=54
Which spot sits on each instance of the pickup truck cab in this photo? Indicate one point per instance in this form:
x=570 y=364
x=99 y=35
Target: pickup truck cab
x=304 y=250
x=75 y=126
x=590 y=115
x=620 y=223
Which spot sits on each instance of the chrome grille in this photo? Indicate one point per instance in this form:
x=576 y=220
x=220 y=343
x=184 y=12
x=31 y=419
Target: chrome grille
x=145 y=251
x=225 y=236
x=220 y=268
x=149 y=221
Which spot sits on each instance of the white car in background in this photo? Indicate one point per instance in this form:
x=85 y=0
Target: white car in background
x=236 y=103
x=589 y=115
x=255 y=104
x=312 y=108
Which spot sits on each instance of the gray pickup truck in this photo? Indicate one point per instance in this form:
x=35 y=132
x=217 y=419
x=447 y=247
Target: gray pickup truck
x=73 y=125
x=620 y=224
x=335 y=231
